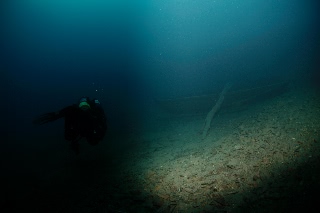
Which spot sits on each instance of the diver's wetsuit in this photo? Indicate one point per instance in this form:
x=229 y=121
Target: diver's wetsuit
x=89 y=123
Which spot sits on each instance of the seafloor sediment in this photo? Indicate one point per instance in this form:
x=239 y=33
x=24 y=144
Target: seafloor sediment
x=262 y=158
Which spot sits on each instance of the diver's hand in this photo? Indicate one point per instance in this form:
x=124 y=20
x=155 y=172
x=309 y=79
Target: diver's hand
x=46 y=118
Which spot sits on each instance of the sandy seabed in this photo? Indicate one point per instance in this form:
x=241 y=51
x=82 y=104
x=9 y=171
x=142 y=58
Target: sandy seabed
x=261 y=158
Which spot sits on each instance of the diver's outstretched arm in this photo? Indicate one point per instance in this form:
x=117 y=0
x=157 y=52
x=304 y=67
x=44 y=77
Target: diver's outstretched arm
x=52 y=116
x=46 y=118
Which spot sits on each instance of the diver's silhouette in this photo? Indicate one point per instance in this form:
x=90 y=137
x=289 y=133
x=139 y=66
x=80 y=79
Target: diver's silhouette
x=87 y=119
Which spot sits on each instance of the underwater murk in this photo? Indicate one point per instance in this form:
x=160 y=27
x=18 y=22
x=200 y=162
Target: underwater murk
x=160 y=106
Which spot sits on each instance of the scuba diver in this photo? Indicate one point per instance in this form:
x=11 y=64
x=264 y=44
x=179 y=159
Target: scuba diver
x=87 y=119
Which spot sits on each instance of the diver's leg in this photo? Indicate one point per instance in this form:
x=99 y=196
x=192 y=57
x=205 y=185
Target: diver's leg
x=93 y=141
x=74 y=145
x=72 y=135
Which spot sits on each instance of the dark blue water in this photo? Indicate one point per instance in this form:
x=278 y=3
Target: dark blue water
x=129 y=54
x=55 y=52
